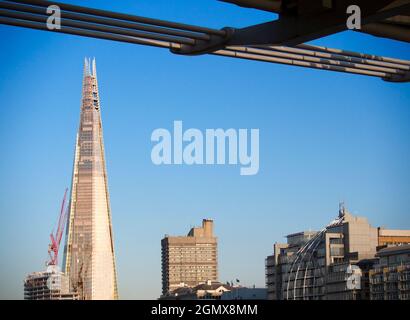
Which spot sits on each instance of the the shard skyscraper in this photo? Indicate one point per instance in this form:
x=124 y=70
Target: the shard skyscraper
x=89 y=259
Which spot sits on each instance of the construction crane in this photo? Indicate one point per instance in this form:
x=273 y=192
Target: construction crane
x=55 y=238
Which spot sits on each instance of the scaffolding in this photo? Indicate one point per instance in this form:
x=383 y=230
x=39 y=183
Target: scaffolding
x=50 y=284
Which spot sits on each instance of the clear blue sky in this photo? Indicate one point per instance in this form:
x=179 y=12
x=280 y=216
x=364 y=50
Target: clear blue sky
x=324 y=137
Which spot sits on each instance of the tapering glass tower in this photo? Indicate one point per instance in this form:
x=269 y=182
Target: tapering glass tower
x=89 y=258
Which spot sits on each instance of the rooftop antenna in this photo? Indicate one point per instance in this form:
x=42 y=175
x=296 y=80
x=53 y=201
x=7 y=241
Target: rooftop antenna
x=342 y=209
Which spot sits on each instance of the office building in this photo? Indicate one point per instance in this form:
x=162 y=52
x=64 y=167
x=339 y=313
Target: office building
x=51 y=284
x=89 y=260
x=390 y=277
x=209 y=290
x=244 y=293
x=190 y=259
x=333 y=263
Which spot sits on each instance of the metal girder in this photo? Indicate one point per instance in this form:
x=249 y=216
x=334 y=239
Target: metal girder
x=267 y=5
x=103 y=20
x=216 y=42
x=291 y=30
x=121 y=16
x=387 y=30
x=303 y=21
x=188 y=39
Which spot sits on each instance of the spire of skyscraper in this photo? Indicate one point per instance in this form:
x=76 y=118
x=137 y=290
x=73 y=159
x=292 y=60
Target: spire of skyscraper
x=89 y=258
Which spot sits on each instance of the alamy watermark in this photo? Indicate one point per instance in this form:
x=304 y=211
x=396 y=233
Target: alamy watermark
x=354 y=21
x=214 y=146
x=54 y=20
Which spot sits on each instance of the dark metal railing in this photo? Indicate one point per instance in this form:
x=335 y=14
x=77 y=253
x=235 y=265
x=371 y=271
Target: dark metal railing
x=128 y=28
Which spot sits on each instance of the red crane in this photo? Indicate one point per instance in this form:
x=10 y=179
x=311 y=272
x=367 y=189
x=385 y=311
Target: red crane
x=56 y=238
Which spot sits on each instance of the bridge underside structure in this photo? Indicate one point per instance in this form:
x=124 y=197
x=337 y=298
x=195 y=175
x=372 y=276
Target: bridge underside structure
x=279 y=41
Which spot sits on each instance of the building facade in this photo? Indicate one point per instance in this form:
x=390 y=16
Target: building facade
x=89 y=260
x=191 y=259
x=390 y=278
x=244 y=293
x=50 y=284
x=210 y=290
x=333 y=263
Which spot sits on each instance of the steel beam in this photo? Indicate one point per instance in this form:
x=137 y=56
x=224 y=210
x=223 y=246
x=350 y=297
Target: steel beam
x=96 y=27
x=126 y=28
x=121 y=16
x=87 y=33
x=386 y=30
x=292 y=30
x=105 y=21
